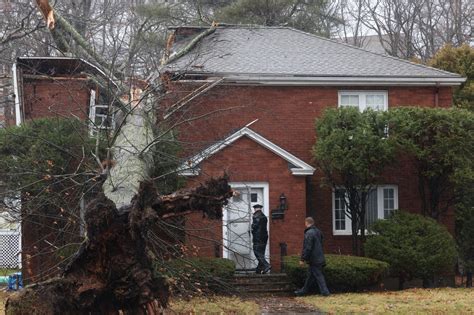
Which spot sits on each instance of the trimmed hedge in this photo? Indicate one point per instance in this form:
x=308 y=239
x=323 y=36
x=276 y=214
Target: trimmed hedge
x=203 y=273
x=342 y=273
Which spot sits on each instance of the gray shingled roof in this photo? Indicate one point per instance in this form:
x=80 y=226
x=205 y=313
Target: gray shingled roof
x=282 y=51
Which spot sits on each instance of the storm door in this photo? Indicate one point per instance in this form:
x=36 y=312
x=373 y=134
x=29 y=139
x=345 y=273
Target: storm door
x=237 y=230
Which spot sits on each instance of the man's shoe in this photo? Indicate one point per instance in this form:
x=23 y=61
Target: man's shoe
x=267 y=269
x=326 y=294
x=299 y=293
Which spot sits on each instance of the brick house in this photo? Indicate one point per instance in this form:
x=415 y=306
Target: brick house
x=246 y=99
x=54 y=87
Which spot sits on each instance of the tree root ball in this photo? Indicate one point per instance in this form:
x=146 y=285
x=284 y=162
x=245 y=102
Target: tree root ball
x=112 y=272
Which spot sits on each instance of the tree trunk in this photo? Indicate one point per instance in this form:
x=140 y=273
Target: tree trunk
x=362 y=216
x=355 y=236
x=469 y=279
x=401 y=282
x=113 y=270
x=132 y=162
x=428 y=282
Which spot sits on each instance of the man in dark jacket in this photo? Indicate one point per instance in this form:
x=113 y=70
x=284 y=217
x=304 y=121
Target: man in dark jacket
x=260 y=238
x=313 y=255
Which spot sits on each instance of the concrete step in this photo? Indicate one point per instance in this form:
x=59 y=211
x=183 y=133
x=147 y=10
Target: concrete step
x=266 y=291
x=263 y=287
x=255 y=278
x=273 y=283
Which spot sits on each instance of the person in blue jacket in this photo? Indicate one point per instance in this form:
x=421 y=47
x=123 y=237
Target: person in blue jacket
x=313 y=255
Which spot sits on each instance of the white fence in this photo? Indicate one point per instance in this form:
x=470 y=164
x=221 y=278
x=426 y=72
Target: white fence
x=10 y=248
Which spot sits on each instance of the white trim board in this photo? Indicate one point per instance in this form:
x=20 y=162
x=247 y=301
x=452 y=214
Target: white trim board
x=191 y=166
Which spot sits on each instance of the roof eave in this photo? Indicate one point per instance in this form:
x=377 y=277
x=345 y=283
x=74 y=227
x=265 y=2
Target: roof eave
x=264 y=79
x=191 y=166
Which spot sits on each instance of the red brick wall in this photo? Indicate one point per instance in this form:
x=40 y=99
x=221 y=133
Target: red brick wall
x=247 y=161
x=48 y=98
x=286 y=116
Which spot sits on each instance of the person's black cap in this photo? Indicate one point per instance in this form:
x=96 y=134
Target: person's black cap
x=257 y=206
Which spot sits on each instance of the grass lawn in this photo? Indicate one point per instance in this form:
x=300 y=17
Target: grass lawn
x=413 y=301
x=6 y=272
x=216 y=305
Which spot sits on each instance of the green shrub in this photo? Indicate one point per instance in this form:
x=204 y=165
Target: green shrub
x=413 y=245
x=202 y=273
x=342 y=273
x=465 y=230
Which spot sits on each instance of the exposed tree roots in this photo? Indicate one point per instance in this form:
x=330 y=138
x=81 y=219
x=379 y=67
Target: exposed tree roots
x=112 y=272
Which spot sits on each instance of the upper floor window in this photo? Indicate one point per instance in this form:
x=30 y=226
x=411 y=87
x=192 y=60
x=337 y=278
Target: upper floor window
x=376 y=100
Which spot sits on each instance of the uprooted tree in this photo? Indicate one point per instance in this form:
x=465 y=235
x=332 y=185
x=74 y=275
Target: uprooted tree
x=113 y=270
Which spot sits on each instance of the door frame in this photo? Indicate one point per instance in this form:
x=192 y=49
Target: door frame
x=266 y=211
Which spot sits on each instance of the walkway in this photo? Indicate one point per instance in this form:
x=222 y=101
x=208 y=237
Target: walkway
x=283 y=305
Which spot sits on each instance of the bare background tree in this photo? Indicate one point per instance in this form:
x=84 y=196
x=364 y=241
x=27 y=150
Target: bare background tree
x=408 y=29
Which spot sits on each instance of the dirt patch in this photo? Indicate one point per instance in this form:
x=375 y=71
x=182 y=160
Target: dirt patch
x=284 y=305
x=3 y=299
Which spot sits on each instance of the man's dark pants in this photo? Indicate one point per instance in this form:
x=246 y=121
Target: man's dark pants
x=315 y=274
x=259 y=252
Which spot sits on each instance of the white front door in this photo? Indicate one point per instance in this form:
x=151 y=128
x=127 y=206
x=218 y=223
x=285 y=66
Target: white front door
x=237 y=225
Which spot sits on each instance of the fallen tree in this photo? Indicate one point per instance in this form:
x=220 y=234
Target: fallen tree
x=112 y=271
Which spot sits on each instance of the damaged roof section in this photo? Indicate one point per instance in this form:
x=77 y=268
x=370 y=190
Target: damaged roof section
x=49 y=67
x=264 y=54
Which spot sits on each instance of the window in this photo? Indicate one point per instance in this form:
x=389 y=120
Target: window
x=376 y=100
x=339 y=210
x=253 y=197
x=99 y=116
x=381 y=202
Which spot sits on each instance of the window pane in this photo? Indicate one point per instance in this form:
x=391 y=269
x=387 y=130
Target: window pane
x=371 y=208
x=253 y=197
x=388 y=202
x=350 y=100
x=375 y=101
x=339 y=210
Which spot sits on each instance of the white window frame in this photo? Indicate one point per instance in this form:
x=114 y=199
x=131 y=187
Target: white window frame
x=363 y=98
x=380 y=208
x=93 y=115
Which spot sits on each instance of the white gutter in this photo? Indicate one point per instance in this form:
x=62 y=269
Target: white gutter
x=254 y=79
x=17 y=95
x=346 y=81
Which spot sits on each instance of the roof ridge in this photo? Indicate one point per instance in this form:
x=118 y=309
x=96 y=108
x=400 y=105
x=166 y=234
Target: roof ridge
x=374 y=53
x=228 y=25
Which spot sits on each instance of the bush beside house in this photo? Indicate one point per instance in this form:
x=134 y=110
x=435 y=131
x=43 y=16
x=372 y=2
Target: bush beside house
x=413 y=245
x=342 y=273
x=465 y=237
